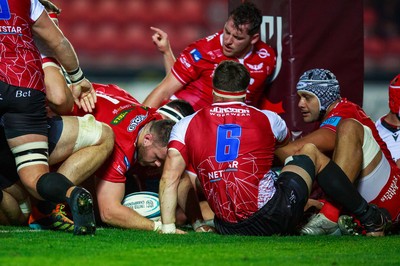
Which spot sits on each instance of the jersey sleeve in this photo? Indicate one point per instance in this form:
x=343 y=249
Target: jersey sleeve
x=177 y=138
x=278 y=126
x=185 y=67
x=115 y=167
x=50 y=61
x=36 y=9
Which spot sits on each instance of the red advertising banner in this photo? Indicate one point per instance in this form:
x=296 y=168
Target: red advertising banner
x=310 y=34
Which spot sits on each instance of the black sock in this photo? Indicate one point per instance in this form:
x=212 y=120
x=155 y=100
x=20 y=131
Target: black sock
x=338 y=187
x=53 y=187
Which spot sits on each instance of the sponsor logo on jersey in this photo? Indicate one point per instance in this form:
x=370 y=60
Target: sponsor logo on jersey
x=10 y=30
x=196 y=55
x=136 y=121
x=119 y=109
x=263 y=53
x=255 y=68
x=127 y=163
x=185 y=62
x=211 y=54
x=118 y=168
x=392 y=190
x=218 y=53
x=210 y=37
x=215 y=176
x=120 y=117
x=332 y=121
x=225 y=111
x=395 y=136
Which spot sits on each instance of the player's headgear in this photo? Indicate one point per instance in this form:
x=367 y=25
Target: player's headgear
x=323 y=84
x=170 y=112
x=394 y=96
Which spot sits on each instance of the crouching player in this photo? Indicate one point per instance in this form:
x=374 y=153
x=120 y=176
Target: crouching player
x=233 y=166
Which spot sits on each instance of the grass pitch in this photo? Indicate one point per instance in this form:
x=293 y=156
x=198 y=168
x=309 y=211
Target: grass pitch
x=20 y=246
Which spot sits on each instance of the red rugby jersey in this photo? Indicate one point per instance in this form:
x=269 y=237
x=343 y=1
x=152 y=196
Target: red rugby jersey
x=196 y=64
x=20 y=62
x=230 y=146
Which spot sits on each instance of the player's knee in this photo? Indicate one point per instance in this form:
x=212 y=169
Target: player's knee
x=107 y=138
x=303 y=161
x=53 y=187
x=32 y=153
x=90 y=132
x=349 y=127
x=309 y=150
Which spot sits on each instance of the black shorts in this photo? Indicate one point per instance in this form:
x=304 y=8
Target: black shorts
x=23 y=111
x=279 y=216
x=8 y=169
x=55 y=126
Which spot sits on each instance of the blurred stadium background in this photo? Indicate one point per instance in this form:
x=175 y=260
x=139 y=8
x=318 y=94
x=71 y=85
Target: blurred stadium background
x=113 y=40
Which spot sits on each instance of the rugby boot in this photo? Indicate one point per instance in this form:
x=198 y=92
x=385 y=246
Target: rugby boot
x=320 y=225
x=81 y=204
x=57 y=220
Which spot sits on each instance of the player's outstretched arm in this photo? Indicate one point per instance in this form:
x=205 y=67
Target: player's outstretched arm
x=173 y=169
x=160 y=39
x=163 y=92
x=112 y=212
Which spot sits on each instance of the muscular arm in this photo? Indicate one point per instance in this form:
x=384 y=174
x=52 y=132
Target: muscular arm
x=163 y=91
x=48 y=32
x=112 y=212
x=173 y=169
x=45 y=28
x=58 y=94
x=323 y=138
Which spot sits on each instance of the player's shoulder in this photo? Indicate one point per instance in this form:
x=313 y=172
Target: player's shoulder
x=206 y=42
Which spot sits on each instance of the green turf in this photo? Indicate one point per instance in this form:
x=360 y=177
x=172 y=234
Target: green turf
x=129 y=247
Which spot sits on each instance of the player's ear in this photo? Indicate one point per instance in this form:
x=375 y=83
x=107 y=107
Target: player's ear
x=148 y=139
x=255 y=38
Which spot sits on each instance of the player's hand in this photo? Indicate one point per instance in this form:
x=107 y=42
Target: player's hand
x=84 y=95
x=180 y=232
x=160 y=39
x=177 y=232
x=313 y=203
x=205 y=229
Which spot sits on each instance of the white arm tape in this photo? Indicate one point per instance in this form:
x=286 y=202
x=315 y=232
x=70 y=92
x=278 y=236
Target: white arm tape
x=168 y=229
x=25 y=207
x=157 y=226
x=76 y=76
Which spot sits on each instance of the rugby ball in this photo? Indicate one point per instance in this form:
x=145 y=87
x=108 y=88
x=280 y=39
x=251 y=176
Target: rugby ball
x=145 y=203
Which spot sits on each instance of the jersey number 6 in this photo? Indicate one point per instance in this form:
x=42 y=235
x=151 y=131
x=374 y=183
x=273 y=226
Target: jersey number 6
x=4 y=10
x=228 y=142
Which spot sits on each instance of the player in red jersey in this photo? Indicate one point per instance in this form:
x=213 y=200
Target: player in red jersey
x=23 y=104
x=230 y=146
x=141 y=136
x=191 y=75
x=348 y=135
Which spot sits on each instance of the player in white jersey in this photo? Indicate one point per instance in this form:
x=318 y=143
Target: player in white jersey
x=389 y=125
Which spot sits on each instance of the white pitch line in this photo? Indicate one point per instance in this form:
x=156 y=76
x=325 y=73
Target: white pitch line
x=32 y=231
